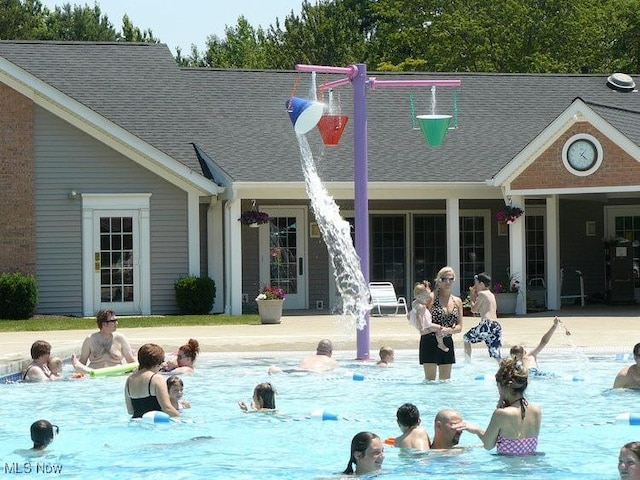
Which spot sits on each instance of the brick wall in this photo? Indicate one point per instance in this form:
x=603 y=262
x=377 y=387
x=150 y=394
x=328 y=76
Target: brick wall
x=548 y=171
x=17 y=183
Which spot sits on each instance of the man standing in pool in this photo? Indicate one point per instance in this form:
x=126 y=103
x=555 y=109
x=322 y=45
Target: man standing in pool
x=318 y=363
x=629 y=377
x=321 y=361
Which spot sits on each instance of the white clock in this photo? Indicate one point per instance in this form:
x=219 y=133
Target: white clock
x=582 y=154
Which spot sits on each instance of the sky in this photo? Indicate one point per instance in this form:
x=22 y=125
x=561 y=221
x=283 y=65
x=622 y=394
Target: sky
x=183 y=22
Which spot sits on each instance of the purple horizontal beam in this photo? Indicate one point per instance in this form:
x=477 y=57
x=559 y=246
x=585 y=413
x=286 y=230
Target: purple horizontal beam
x=333 y=84
x=351 y=70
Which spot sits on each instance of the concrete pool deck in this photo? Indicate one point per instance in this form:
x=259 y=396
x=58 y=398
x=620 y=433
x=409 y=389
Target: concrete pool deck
x=614 y=328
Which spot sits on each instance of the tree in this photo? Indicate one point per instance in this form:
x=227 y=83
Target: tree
x=75 y=23
x=328 y=33
x=22 y=20
x=130 y=33
x=29 y=20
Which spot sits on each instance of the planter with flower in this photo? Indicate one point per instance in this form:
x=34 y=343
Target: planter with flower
x=509 y=214
x=506 y=294
x=253 y=218
x=270 y=300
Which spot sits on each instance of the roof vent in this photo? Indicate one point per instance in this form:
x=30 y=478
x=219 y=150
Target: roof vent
x=621 y=82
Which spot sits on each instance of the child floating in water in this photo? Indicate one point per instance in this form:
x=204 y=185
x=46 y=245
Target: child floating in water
x=420 y=317
x=176 y=390
x=264 y=399
x=386 y=357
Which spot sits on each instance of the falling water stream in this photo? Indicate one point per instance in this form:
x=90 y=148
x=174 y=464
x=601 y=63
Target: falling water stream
x=336 y=233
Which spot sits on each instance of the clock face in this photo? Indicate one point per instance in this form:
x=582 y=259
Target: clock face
x=582 y=154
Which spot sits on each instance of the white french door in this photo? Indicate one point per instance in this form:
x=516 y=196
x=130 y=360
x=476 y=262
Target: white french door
x=283 y=248
x=116 y=254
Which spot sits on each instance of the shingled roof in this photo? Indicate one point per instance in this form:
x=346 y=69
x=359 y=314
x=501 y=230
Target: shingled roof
x=238 y=118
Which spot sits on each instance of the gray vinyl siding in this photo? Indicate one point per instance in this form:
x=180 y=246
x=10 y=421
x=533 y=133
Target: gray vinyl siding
x=67 y=159
x=250 y=267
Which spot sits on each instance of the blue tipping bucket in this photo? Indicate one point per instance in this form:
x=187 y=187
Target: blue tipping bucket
x=304 y=113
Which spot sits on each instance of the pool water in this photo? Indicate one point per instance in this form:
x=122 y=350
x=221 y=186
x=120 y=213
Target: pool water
x=579 y=436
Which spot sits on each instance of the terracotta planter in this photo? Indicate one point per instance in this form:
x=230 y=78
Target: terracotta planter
x=270 y=311
x=506 y=303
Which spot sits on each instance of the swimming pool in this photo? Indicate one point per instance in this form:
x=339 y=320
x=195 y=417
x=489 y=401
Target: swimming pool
x=579 y=437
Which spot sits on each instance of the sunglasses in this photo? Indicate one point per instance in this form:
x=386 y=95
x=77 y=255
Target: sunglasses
x=115 y=320
x=447 y=279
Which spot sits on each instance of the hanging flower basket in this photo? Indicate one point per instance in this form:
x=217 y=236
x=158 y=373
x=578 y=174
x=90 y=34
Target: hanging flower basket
x=509 y=214
x=254 y=217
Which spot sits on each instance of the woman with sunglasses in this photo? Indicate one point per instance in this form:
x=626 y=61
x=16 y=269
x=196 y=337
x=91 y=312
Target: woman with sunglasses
x=104 y=348
x=446 y=315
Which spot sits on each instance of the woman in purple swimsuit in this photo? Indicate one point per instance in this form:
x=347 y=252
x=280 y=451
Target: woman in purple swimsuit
x=515 y=423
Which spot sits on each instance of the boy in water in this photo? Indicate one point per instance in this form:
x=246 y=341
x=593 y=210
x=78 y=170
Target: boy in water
x=386 y=357
x=489 y=331
x=42 y=433
x=413 y=436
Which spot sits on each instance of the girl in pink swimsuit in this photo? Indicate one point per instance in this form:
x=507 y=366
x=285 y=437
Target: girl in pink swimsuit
x=515 y=423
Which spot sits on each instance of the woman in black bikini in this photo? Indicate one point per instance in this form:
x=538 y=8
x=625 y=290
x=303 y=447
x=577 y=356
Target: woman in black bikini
x=446 y=311
x=145 y=390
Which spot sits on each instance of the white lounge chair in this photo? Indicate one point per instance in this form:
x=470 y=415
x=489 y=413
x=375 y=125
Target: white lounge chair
x=383 y=295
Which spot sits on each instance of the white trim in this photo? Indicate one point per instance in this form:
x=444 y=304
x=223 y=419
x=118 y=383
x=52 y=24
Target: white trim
x=376 y=190
x=552 y=226
x=193 y=235
x=233 y=259
x=115 y=202
x=453 y=238
x=576 y=190
x=517 y=256
x=565 y=156
x=215 y=251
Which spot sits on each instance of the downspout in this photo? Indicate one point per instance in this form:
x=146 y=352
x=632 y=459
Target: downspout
x=228 y=271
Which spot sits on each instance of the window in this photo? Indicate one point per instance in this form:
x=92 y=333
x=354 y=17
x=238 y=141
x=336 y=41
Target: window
x=472 y=249
x=429 y=246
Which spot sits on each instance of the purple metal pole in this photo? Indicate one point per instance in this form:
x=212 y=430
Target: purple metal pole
x=361 y=180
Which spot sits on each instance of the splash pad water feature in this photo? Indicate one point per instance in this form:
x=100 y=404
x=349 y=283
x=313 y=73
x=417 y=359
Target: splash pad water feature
x=357 y=76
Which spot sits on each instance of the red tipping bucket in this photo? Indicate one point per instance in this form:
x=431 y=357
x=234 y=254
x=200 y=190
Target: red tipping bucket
x=434 y=128
x=304 y=114
x=331 y=128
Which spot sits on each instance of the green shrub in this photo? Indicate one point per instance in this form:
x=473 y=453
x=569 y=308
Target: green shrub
x=18 y=295
x=195 y=295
